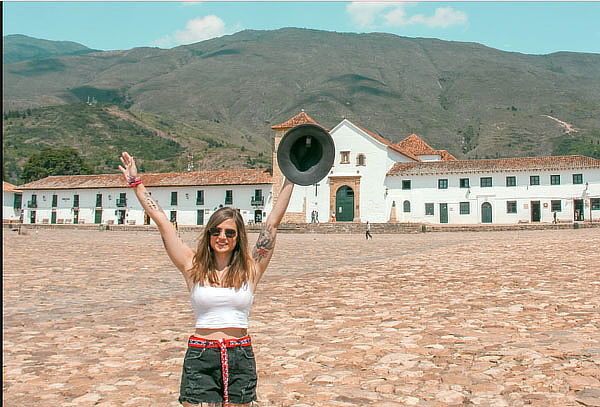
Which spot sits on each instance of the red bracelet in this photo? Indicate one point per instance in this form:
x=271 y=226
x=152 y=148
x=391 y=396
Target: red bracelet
x=134 y=183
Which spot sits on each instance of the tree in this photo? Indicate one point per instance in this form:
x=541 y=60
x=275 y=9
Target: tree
x=48 y=162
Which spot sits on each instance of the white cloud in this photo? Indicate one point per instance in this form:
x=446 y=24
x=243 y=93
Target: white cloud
x=364 y=14
x=196 y=30
x=396 y=15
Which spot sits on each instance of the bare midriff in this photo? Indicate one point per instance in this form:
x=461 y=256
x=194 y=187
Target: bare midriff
x=221 y=333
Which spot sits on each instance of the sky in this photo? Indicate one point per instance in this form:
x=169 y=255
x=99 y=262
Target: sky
x=538 y=27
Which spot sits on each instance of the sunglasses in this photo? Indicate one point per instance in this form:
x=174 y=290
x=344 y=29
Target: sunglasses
x=229 y=233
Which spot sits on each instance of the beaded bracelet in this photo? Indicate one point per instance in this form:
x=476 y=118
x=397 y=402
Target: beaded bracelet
x=133 y=181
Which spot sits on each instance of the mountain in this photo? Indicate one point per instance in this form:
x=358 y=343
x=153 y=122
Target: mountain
x=17 y=48
x=469 y=99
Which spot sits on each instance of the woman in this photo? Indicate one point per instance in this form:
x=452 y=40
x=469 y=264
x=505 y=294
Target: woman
x=221 y=275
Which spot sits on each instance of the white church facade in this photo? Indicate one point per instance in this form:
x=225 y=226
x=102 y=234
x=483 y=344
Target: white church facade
x=372 y=179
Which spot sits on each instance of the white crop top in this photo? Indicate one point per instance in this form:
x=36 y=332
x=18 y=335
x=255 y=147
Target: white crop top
x=221 y=307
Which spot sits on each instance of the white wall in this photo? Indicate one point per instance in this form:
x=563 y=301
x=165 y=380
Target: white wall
x=186 y=208
x=425 y=190
x=9 y=213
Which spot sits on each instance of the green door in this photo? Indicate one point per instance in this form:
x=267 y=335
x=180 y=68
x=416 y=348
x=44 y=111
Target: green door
x=344 y=204
x=536 y=212
x=200 y=217
x=98 y=216
x=32 y=217
x=578 y=208
x=75 y=216
x=443 y=213
x=53 y=217
x=486 y=213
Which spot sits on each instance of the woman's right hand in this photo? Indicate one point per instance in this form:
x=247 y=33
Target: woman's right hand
x=128 y=169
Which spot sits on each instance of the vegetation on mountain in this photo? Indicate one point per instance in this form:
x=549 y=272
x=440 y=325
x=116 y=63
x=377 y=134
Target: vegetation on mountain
x=215 y=97
x=49 y=162
x=100 y=132
x=17 y=48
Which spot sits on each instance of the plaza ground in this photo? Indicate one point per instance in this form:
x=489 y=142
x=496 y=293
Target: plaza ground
x=507 y=318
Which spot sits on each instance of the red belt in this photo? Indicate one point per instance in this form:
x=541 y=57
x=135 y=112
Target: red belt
x=222 y=344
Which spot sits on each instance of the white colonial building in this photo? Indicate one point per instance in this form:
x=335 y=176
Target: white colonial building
x=372 y=179
x=11 y=206
x=187 y=198
x=377 y=181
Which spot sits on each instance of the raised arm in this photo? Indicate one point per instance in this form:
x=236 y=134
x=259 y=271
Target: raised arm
x=265 y=244
x=178 y=252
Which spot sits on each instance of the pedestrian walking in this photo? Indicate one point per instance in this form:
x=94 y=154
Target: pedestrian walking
x=221 y=275
x=368 y=231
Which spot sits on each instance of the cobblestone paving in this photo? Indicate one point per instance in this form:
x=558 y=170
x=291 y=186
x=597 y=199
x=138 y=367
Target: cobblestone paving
x=436 y=319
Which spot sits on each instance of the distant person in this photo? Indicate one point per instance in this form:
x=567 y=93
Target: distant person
x=368 y=231
x=333 y=217
x=221 y=276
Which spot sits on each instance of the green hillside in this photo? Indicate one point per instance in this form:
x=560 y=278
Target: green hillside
x=100 y=132
x=17 y=48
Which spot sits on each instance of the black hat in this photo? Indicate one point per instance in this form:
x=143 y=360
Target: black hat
x=305 y=154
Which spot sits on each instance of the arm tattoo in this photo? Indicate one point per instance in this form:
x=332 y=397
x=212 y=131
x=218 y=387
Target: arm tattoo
x=264 y=244
x=152 y=204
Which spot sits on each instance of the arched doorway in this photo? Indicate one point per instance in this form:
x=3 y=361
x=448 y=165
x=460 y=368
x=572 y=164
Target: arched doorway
x=344 y=204
x=486 y=212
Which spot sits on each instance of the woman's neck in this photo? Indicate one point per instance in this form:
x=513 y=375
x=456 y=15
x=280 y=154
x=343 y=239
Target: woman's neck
x=222 y=261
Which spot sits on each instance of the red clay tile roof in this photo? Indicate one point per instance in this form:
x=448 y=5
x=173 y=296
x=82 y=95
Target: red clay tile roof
x=388 y=143
x=191 y=178
x=445 y=155
x=494 y=165
x=8 y=187
x=300 y=118
x=413 y=144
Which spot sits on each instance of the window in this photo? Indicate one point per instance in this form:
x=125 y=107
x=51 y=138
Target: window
x=98 y=201
x=75 y=201
x=406 y=206
x=465 y=208
x=54 y=201
x=257 y=199
x=511 y=181
x=534 y=180
x=555 y=206
x=595 y=204
x=485 y=182
x=511 y=206
x=200 y=199
x=554 y=179
x=361 y=159
x=442 y=184
x=464 y=182
x=406 y=184
x=428 y=209
x=17 y=203
x=345 y=157
x=577 y=178
x=173 y=198
x=229 y=197
x=122 y=201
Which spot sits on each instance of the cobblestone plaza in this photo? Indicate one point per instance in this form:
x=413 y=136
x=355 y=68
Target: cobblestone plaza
x=507 y=318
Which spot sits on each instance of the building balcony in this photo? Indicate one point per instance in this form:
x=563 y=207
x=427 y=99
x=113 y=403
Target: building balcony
x=121 y=203
x=31 y=204
x=257 y=201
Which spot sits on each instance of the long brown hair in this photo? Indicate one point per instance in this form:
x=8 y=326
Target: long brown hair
x=241 y=265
